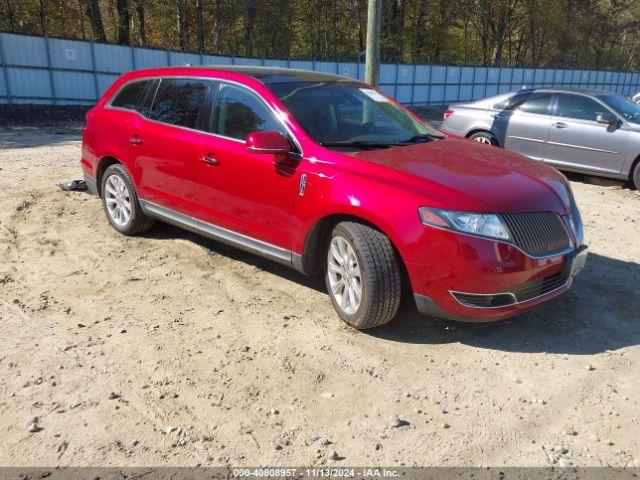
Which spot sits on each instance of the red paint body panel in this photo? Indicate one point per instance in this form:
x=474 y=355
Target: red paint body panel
x=258 y=195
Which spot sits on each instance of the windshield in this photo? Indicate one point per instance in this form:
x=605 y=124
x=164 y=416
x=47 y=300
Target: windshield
x=350 y=113
x=622 y=106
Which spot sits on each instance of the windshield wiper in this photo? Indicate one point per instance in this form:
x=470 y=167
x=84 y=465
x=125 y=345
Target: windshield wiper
x=423 y=136
x=398 y=143
x=358 y=144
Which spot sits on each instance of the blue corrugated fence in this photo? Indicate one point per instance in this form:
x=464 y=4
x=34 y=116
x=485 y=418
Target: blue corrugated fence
x=70 y=72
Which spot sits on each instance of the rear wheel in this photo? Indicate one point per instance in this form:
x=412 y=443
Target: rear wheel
x=121 y=203
x=636 y=176
x=362 y=275
x=484 y=137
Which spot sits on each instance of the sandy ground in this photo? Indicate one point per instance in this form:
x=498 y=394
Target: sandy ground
x=170 y=349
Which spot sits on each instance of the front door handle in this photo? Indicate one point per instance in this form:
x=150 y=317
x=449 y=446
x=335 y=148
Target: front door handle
x=136 y=140
x=209 y=160
x=560 y=125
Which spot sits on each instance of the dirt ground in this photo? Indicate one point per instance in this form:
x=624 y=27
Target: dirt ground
x=170 y=349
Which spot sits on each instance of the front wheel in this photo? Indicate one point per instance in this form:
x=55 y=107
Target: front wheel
x=362 y=275
x=485 y=138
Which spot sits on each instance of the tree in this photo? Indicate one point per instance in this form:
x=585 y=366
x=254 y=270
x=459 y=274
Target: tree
x=122 y=6
x=141 y=26
x=547 y=33
x=249 y=24
x=95 y=16
x=495 y=21
x=200 y=25
x=182 y=24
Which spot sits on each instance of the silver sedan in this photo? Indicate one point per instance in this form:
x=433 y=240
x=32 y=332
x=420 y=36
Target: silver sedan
x=576 y=130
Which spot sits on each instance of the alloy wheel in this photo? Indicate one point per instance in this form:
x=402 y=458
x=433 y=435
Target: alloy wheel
x=344 y=275
x=484 y=140
x=118 y=200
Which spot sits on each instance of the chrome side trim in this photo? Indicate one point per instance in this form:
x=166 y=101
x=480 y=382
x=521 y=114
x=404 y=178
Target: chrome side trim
x=585 y=168
x=215 y=232
x=535 y=140
x=517 y=302
x=591 y=149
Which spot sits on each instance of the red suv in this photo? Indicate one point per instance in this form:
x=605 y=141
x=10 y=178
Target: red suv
x=329 y=175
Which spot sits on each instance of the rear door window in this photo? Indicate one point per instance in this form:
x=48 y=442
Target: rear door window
x=238 y=112
x=538 y=103
x=129 y=96
x=147 y=97
x=178 y=101
x=579 y=107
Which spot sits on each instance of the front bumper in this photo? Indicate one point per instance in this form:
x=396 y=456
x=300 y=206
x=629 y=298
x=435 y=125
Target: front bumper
x=472 y=279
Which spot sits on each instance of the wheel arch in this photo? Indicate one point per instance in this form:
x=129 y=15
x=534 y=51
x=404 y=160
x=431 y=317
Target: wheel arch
x=105 y=162
x=634 y=164
x=482 y=129
x=311 y=260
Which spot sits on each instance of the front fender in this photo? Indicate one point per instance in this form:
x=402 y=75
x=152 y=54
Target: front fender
x=391 y=210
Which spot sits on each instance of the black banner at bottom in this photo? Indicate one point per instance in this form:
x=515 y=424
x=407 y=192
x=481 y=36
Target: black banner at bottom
x=357 y=473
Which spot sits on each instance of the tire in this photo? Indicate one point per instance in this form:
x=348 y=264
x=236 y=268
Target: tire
x=378 y=267
x=635 y=178
x=118 y=192
x=486 y=138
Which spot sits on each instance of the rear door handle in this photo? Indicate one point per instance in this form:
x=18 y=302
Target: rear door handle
x=136 y=140
x=560 y=125
x=209 y=160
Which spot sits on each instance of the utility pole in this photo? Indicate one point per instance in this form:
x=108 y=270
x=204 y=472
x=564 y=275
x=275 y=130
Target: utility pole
x=372 y=66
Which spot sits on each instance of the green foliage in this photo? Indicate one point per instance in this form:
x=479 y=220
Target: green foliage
x=598 y=34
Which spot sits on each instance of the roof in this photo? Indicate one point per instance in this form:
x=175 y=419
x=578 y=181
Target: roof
x=269 y=75
x=586 y=91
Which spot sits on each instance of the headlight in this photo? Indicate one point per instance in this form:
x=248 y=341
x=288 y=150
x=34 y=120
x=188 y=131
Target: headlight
x=483 y=224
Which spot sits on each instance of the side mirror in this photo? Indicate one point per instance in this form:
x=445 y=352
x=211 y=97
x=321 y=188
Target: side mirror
x=270 y=142
x=610 y=120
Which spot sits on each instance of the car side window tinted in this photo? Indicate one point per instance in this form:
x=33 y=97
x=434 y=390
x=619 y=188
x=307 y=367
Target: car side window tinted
x=534 y=103
x=238 y=112
x=178 y=100
x=579 y=107
x=129 y=96
x=147 y=97
x=502 y=105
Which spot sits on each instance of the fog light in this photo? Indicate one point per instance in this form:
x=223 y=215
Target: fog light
x=485 y=301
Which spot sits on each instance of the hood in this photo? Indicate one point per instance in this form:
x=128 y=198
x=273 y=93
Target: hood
x=498 y=180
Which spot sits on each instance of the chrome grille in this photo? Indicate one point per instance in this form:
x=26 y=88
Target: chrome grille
x=537 y=233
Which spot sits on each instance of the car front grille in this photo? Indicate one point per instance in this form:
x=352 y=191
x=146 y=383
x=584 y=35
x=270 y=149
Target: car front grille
x=537 y=233
x=535 y=288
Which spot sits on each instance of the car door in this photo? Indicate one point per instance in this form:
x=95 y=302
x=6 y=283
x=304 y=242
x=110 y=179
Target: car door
x=577 y=140
x=251 y=194
x=523 y=126
x=167 y=143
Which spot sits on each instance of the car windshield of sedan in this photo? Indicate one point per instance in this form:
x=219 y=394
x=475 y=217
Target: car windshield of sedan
x=629 y=110
x=351 y=114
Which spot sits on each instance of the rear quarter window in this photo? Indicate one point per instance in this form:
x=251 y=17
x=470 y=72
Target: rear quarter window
x=129 y=96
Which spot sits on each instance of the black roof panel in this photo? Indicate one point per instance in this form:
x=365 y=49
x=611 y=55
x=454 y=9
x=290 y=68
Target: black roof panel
x=269 y=75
